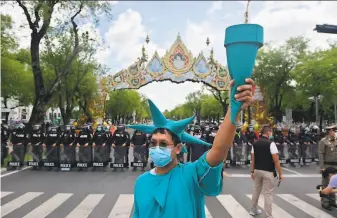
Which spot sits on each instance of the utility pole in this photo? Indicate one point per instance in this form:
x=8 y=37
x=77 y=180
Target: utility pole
x=316 y=103
x=336 y=112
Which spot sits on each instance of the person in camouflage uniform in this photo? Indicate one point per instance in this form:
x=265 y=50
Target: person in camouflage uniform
x=328 y=158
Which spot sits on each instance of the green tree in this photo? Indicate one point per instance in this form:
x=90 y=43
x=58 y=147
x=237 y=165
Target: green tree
x=211 y=108
x=16 y=77
x=273 y=72
x=315 y=75
x=39 y=15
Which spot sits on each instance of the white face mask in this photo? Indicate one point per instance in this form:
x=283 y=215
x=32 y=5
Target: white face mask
x=198 y=136
x=213 y=133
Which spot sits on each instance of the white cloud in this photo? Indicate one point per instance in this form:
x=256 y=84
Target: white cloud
x=282 y=20
x=216 y=5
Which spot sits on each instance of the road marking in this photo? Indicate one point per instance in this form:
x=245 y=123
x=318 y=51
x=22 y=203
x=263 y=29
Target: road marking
x=226 y=174
x=18 y=202
x=285 y=176
x=291 y=171
x=49 y=206
x=122 y=207
x=304 y=206
x=86 y=206
x=315 y=196
x=233 y=207
x=277 y=211
x=208 y=214
x=4 y=194
x=15 y=171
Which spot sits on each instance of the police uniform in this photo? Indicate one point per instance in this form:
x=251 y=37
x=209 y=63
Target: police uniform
x=83 y=141
x=120 y=138
x=36 y=139
x=328 y=158
x=52 y=145
x=67 y=144
x=101 y=150
x=19 y=139
x=4 y=139
x=139 y=140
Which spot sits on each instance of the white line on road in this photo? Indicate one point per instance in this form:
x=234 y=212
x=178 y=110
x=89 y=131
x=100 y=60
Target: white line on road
x=277 y=211
x=18 y=202
x=233 y=207
x=4 y=194
x=49 y=206
x=304 y=206
x=123 y=207
x=15 y=171
x=315 y=196
x=86 y=206
x=284 y=175
x=208 y=214
x=291 y=171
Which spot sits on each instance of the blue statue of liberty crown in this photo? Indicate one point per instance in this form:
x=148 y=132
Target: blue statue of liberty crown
x=177 y=127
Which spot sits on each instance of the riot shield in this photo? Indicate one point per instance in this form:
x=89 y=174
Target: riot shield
x=314 y=152
x=240 y=154
x=283 y=152
x=119 y=157
x=101 y=155
x=35 y=151
x=139 y=156
x=52 y=156
x=67 y=156
x=17 y=153
x=306 y=153
x=84 y=156
x=293 y=149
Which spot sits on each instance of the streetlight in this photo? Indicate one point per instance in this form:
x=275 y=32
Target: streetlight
x=326 y=28
x=331 y=29
x=316 y=99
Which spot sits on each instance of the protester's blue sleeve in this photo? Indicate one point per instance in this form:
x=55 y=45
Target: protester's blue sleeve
x=333 y=182
x=208 y=178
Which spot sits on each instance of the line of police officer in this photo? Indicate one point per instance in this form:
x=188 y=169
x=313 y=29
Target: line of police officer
x=63 y=147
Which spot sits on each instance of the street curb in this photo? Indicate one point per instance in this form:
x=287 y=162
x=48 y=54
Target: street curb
x=3 y=170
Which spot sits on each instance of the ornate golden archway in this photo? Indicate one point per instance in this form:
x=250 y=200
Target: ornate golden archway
x=178 y=65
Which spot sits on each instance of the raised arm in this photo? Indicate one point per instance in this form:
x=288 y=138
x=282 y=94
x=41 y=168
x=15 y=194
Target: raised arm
x=224 y=138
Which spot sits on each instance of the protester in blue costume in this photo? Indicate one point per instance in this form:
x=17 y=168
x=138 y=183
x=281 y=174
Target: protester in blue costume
x=173 y=189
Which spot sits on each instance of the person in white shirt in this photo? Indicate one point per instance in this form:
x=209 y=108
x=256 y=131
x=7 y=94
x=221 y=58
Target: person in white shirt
x=264 y=163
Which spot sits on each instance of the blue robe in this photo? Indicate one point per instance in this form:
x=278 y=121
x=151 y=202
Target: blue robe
x=179 y=193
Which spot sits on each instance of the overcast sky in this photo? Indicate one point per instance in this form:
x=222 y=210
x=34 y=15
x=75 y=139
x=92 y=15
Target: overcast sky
x=195 y=21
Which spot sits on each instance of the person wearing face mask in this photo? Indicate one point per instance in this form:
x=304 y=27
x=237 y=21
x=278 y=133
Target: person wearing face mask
x=178 y=190
x=197 y=150
x=327 y=193
x=239 y=147
x=264 y=164
x=292 y=140
x=327 y=153
x=211 y=135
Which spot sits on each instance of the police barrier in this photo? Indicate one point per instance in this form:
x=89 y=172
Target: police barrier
x=294 y=152
x=52 y=156
x=17 y=152
x=119 y=157
x=306 y=152
x=240 y=154
x=36 y=152
x=139 y=156
x=67 y=156
x=84 y=156
x=314 y=152
x=101 y=155
x=283 y=152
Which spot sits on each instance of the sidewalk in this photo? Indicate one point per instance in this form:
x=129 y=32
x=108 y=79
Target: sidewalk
x=3 y=170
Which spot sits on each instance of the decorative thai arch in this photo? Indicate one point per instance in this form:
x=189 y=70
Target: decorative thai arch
x=178 y=65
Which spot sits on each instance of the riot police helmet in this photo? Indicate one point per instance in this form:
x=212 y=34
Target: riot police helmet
x=100 y=128
x=36 y=127
x=19 y=126
x=120 y=128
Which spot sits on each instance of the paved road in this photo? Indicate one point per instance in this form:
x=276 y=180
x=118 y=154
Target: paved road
x=38 y=194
